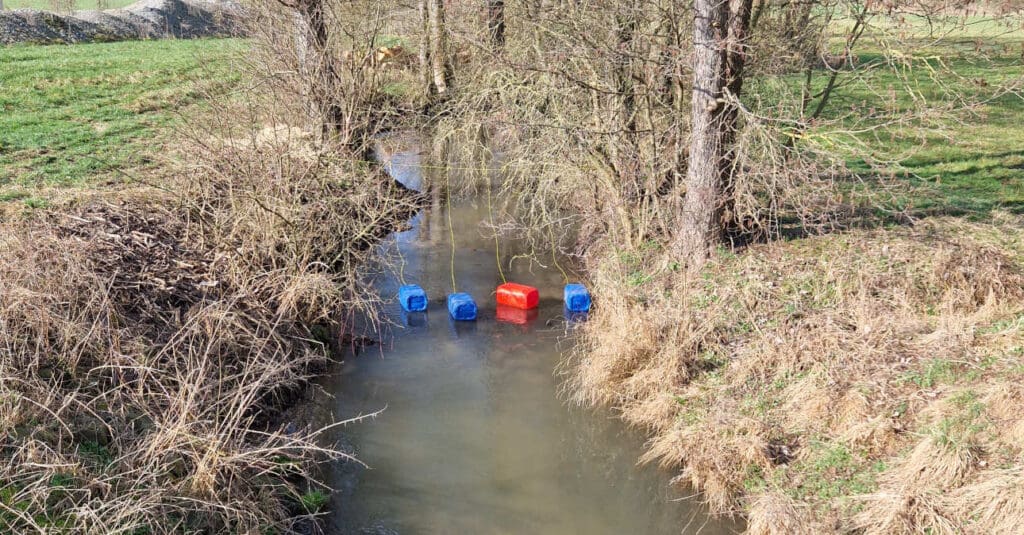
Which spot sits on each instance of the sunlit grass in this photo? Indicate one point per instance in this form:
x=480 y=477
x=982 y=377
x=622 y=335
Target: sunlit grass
x=958 y=161
x=74 y=115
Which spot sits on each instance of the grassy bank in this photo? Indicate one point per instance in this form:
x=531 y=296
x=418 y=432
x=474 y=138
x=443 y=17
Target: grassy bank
x=864 y=380
x=860 y=381
x=88 y=114
x=157 y=313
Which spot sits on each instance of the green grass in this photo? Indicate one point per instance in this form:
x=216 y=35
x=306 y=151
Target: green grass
x=933 y=372
x=76 y=115
x=960 y=164
x=828 y=471
x=62 y=5
x=966 y=165
x=314 y=501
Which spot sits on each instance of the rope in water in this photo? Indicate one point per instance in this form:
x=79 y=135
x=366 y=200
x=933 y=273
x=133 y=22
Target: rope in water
x=451 y=228
x=401 y=265
x=497 y=247
x=554 y=255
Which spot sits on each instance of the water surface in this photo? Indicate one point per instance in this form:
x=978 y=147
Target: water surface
x=473 y=437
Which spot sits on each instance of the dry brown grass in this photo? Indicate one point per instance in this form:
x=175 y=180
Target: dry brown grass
x=149 y=336
x=866 y=380
x=778 y=514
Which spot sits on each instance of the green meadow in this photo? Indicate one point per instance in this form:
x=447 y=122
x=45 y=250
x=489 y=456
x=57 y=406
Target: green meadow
x=82 y=114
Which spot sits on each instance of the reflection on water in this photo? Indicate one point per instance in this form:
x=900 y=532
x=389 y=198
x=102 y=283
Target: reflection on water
x=474 y=438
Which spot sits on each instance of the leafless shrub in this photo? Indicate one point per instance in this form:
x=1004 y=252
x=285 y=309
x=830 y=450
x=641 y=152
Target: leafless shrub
x=324 y=54
x=149 y=336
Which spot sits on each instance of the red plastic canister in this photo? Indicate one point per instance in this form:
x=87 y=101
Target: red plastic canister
x=518 y=296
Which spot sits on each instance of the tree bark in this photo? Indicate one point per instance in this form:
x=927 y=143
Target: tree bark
x=720 y=33
x=495 y=22
x=625 y=151
x=699 y=222
x=439 y=63
x=424 y=52
x=318 y=70
x=735 y=61
x=435 y=61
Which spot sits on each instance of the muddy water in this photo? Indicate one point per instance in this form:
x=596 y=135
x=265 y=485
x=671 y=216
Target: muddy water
x=473 y=437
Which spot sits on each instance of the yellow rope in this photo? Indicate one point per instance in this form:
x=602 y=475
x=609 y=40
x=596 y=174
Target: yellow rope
x=554 y=257
x=497 y=248
x=401 y=264
x=451 y=229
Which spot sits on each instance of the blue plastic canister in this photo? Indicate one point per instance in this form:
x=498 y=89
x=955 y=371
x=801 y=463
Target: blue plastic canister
x=462 y=307
x=577 y=298
x=412 y=298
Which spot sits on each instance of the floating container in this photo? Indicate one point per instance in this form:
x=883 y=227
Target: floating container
x=577 y=298
x=518 y=296
x=516 y=316
x=412 y=298
x=462 y=307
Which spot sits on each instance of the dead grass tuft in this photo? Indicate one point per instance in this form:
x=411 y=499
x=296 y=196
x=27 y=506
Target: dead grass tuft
x=875 y=364
x=935 y=462
x=992 y=504
x=906 y=512
x=149 y=337
x=778 y=514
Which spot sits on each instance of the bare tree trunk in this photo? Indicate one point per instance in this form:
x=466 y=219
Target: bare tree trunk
x=626 y=102
x=495 y=22
x=719 y=36
x=304 y=56
x=439 y=64
x=700 y=228
x=735 y=61
x=424 y=52
x=435 y=61
x=319 y=71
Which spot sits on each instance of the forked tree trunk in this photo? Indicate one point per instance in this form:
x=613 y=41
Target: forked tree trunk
x=720 y=26
x=495 y=22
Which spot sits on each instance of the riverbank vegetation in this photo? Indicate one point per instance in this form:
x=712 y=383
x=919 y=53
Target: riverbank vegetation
x=829 y=339
x=179 y=254
x=802 y=235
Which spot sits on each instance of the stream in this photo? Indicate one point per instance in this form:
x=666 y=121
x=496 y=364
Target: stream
x=472 y=436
